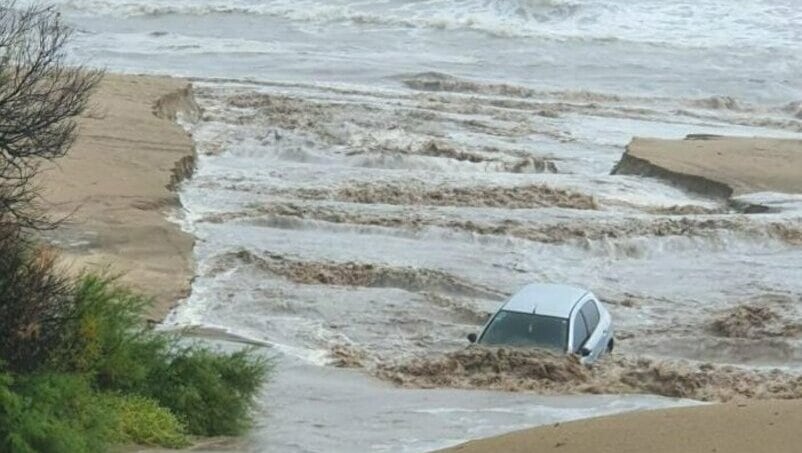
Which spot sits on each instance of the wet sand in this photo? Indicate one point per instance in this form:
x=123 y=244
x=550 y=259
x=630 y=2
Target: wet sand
x=718 y=166
x=115 y=187
x=733 y=428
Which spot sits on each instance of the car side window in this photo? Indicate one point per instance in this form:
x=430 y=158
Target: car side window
x=591 y=314
x=580 y=331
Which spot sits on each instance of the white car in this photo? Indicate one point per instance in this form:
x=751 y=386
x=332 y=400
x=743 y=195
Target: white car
x=562 y=318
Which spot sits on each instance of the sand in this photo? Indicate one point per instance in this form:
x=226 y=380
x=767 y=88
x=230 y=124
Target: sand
x=762 y=426
x=718 y=166
x=116 y=185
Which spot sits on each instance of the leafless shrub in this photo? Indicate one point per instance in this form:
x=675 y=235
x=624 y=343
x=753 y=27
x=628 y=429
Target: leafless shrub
x=35 y=301
x=40 y=97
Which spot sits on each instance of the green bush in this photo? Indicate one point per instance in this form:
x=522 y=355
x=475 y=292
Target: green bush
x=102 y=376
x=52 y=413
x=142 y=421
x=212 y=391
x=58 y=413
x=107 y=338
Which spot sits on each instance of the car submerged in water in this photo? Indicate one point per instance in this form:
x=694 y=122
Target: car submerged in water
x=560 y=318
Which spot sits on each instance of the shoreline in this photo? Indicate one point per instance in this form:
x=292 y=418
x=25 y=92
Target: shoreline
x=744 y=427
x=719 y=166
x=116 y=187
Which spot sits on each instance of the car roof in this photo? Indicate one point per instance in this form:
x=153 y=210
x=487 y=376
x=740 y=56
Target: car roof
x=545 y=299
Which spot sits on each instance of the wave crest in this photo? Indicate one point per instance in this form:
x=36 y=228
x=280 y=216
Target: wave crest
x=497 y=17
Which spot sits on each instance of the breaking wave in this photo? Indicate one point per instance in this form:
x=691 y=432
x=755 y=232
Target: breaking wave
x=437 y=81
x=556 y=232
x=506 y=18
x=516 y=197
x=356 y=274
x=551 y=19
x=543 y=372
x=346 y=356
x=756 y=321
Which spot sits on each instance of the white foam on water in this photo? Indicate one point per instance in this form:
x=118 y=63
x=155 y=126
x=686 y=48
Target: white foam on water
x=789 y=204
x=714 y=23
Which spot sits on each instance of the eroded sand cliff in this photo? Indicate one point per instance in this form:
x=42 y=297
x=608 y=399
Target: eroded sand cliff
x=115 y=187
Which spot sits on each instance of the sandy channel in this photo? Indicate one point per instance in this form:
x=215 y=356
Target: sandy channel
x=116 y=187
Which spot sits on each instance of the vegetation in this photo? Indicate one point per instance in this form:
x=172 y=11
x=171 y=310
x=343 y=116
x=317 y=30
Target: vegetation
x=40 y=97
x=143 y=421
x=97 y=375
x=51 y=413
x=34 y=303
x=79 y=369
x=212 y=391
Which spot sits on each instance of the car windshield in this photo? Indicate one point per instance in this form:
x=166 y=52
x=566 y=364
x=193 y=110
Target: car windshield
x=525 y=329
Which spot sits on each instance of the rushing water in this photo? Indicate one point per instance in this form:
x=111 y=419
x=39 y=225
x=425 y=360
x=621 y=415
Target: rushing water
x=376 y=176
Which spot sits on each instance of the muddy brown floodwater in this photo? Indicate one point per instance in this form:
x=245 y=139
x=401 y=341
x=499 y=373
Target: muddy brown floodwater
x=375 y=177
x=544 y=373
x=368 y=232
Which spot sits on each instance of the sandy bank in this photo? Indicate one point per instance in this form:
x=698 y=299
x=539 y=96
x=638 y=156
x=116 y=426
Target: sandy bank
x=718 y=166
x=116 y=186
x=770 y=426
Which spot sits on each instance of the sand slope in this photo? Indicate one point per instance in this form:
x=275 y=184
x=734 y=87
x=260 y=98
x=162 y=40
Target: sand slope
x=766 y=426
x=115 y=185
x=718 y=166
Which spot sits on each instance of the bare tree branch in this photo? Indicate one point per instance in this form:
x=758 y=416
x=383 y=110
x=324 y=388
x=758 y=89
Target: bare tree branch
x=40 y=98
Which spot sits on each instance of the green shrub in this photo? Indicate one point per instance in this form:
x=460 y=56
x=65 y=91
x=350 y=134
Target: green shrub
x=142 y=421
x=52 y=413
x=103 y=345
x=58 y=413
x=107 y=338
x=212 y=391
